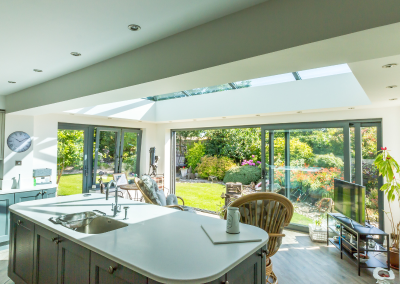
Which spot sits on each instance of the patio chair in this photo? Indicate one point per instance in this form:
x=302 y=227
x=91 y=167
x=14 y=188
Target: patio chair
x=270 y=212
x=152 y=195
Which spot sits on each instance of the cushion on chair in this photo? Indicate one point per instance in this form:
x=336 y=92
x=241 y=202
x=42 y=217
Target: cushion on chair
x=172 y=200
x=150 y=188
x=161 y=197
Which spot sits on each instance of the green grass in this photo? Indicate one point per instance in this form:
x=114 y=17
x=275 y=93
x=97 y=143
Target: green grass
x=201 y=195
x=70 y=184
x=208 y=196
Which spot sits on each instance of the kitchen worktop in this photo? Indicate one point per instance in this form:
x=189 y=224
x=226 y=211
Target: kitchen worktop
x=164 y=244
x=37 y=187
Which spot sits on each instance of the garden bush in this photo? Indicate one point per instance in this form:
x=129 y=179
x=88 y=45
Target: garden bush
x=214 y=166
x=328 y=161
x=194 y=155
x=244 y=174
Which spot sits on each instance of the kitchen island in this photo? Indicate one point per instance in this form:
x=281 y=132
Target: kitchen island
x=158 y=245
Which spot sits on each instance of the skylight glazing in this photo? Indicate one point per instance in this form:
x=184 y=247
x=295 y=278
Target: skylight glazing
x=269 y=80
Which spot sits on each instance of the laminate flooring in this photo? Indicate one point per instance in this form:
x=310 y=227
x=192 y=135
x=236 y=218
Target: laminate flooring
x=298 y=261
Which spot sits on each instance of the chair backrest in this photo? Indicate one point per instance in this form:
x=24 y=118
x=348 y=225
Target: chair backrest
x=139 y=183
x=268 y=211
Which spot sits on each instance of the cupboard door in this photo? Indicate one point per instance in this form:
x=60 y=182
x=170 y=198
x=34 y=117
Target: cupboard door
x=28 y=196
x=105 y=271
x=249 y=271
x=45 y=256
x=49 y=193
x=20 y=264
x=5 y=201
x=73 y=262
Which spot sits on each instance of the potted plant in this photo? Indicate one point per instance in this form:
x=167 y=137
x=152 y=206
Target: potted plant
x=388 y=167
x=184 y=171
x=318 y=223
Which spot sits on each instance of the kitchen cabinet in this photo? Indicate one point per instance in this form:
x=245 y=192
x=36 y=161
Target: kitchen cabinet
x=105 y=271
x=49 y=193
x=5 y=201
x=28 y=196
x=73 y=262
x=20 y=268
x=248 y=271
x=45 y=256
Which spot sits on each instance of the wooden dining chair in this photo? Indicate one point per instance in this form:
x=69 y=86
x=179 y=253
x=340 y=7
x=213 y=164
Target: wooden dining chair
x=270 y=212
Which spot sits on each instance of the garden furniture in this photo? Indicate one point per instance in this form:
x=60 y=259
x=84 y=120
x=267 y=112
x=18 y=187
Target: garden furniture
x=270 y=212
x=212 y=178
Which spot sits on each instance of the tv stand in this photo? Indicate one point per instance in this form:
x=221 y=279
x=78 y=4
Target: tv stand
x=360 y=233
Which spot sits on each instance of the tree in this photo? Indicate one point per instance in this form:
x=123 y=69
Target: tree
x=69 y=150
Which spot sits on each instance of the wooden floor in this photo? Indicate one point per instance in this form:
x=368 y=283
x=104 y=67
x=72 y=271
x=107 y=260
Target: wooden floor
x=298 y=261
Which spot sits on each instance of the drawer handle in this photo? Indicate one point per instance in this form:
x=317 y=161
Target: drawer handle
x=44 y=192
x=225 y=282
x=111 y=269
x=19 y=222
x=263 y=253
x=57 y=241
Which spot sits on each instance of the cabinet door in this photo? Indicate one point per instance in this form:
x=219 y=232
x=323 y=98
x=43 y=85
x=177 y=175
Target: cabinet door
x=105 y=271
x=20 y=264
x=49 y=193
x=248 y=271
x=73 y=262
x=45 y=256
x=5 y=201
x=28 y=196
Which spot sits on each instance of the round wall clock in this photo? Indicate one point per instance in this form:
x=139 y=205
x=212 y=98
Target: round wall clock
x=19 y=141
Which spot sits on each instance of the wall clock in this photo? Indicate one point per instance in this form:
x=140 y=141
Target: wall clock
x=19 y=141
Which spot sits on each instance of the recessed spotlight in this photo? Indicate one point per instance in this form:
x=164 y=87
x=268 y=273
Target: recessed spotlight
x=12 y=82
x=389 y=65
x=110 y=118
x=392 y=86
x=140 y=121
x=72 y=113
x=299 y=112
x=194 y=119
x=170 y=121
x=37 y=70
x=351 y=108
x=134 y=27
x=394 y=99
x=75 y=53
x=257 y=115
x=224 y=117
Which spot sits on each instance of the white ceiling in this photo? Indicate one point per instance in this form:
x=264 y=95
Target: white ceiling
x=41 y=34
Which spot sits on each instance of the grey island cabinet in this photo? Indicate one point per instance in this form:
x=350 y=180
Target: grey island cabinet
x=43 y=252
x=10 y=197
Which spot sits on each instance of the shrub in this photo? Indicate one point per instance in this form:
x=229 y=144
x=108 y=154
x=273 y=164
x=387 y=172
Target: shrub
x=194 y=155
x=328 y=161
x=214 y=166
x=245 y=174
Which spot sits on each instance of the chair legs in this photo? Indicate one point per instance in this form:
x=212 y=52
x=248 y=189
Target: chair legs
x=271 y=278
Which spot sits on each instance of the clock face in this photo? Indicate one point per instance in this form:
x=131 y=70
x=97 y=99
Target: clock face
x=19 y=141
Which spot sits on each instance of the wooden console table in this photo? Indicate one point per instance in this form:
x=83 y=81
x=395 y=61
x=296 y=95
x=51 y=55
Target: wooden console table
x=360 y=233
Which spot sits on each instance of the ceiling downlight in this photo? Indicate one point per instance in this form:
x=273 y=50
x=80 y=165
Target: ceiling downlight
x=394 y=99
x=392 y=86
x=37 y=70
x=389 y=65
x=12 y=82
x=134 y=27
x=75 y=53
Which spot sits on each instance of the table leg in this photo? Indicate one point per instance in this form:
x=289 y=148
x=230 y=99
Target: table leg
x=388 y=252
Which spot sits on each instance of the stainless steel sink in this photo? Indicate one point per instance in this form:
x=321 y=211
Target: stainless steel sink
x=88 y=222
x=100 y=225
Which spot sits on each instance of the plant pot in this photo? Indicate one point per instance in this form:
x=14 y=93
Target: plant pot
x=184 y=172
x=394 y=259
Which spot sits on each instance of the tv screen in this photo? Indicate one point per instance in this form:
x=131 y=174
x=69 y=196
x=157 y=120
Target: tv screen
x=349 y=199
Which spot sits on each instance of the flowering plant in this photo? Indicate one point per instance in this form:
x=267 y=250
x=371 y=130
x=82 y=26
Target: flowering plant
x=251 y=162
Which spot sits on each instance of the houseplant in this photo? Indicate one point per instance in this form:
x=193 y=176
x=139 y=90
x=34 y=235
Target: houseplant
x=388 y=168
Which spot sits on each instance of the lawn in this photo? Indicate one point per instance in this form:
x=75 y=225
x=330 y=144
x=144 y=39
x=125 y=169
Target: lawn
x=70 y=184
x=208 y=196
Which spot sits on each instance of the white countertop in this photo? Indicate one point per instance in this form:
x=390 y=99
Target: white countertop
x=164 y=244
x=38 y=187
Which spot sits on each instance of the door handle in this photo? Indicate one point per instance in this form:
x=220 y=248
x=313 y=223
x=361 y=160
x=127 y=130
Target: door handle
x=19 y=222
x=111 y=269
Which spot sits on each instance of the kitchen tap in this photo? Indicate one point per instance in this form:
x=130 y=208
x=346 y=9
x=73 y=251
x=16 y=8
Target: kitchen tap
x=115 y=208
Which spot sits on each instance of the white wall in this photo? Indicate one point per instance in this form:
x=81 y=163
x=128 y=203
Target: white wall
x=390 y=125
x=43 y=152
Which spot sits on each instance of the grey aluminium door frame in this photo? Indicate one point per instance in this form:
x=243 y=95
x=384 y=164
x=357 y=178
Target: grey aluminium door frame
x=87 y=157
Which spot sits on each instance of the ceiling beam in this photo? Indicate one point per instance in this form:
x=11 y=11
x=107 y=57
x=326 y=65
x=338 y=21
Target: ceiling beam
x=265 y=28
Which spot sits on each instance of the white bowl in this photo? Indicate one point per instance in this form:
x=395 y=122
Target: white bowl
x=362 y=260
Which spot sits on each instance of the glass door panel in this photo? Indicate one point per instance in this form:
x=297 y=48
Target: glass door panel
x=129 y=154
x=279 y=185
x=316 y=158
x=106 y=153
x=370 y=174
x=72 y=168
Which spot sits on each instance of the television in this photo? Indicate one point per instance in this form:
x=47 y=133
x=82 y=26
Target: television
x=349 y=200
